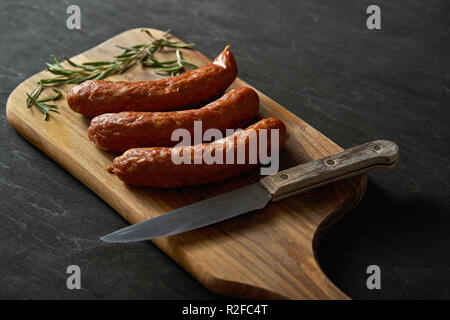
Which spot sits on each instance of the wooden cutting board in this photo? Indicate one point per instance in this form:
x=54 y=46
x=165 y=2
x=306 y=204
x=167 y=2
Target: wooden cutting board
x=270 y=253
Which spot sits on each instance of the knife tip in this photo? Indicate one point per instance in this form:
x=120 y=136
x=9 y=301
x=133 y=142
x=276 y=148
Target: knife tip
x=106 y=239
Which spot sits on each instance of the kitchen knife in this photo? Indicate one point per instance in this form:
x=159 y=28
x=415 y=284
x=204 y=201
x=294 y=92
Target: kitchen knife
x=295 y=180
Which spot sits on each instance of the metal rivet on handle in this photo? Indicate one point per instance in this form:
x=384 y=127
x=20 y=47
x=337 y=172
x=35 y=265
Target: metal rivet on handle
x=377 y=148
x=330 y=162
x=284 y=176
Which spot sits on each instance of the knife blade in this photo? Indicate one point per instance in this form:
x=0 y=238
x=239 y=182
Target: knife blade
x=295 y=180
x=196 y=215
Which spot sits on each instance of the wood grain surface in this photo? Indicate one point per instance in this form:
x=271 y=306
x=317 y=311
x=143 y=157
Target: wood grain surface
x=264 y=254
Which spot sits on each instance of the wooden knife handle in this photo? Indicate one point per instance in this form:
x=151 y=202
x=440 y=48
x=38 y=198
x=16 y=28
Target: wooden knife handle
x=345 y=164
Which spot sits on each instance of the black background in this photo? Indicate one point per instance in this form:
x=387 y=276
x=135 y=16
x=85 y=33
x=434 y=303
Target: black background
x=316 y=58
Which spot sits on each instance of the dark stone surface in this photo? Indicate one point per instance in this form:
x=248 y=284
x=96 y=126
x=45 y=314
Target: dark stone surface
x=316 y=59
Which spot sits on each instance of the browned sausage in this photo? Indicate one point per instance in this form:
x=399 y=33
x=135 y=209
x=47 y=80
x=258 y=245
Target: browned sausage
x=154 y=166
x=189 y=89
x=125 y=130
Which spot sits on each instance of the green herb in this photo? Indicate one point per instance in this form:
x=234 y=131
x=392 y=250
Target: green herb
x=44 y=107
x=138 y=54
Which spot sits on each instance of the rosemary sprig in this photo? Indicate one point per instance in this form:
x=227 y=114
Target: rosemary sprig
x=138 y=54
x=44 y=107
x=32 y=99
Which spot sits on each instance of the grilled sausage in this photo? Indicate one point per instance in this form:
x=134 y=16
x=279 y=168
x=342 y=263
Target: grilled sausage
x=125 y=130
x=155 y=167
x=190 y=89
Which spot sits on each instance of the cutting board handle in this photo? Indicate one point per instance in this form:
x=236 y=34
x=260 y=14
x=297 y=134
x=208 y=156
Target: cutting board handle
x=343 y=165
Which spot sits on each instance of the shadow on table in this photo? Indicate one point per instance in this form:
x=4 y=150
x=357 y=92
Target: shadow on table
x=407 y=238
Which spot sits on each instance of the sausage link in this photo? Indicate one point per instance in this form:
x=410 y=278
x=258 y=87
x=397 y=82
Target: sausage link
x=117 y=132
x=154 y=166
x=190 y=89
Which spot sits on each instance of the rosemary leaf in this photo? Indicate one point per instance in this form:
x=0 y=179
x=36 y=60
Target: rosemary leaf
x=178 y=54
x=189 y=65
x=73 y=64
x=34 y=94
x=52 y=97
x=97 y=63
x=54 y=80
x=148 y=33
x=168 y=62
x=127 y=65
x=105 y=73
x=56 y=61
x=169 y=69
x=125 y=55
x=179 y=45
x=82 y=79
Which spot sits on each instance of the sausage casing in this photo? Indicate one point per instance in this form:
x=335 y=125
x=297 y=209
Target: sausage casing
x=190 y=89
x=117 y=132
x=155 y=167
